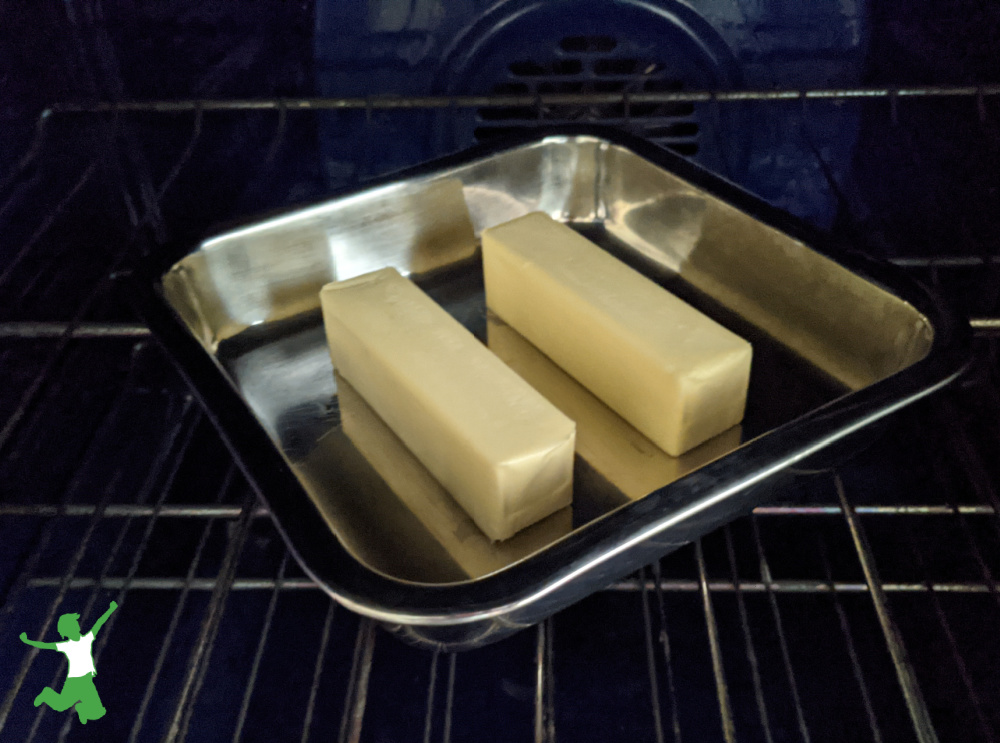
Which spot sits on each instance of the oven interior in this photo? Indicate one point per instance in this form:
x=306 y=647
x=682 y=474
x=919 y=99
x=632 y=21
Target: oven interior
x=862 y=605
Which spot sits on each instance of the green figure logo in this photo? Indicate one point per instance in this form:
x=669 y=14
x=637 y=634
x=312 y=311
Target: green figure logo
x=79 y=688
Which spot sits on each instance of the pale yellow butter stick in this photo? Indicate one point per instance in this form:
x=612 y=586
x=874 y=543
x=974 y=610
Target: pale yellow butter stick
x=675 y=374
x=626 y=458
x=501 y=449
x=475 y=553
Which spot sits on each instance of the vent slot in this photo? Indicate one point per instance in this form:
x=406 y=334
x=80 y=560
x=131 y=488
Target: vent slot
x=556 y=67
x=588 y=64
x=617 y=66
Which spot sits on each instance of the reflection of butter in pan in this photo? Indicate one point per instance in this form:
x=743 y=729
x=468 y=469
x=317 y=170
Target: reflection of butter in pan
x=626 y=458
x=474 y=552
x=369 y=521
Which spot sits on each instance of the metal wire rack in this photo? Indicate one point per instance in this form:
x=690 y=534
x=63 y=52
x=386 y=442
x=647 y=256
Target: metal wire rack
x=864 y=608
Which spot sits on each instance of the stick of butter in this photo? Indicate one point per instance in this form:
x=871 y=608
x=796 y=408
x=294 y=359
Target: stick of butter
x=475 y=553
x=501 y=449
x=673 y=373
x=626 y=458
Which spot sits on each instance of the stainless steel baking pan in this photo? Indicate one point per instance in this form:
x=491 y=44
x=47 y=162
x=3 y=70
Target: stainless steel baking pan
x=840 y=342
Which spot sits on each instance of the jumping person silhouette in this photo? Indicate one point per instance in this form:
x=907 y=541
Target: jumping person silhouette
x=79 y=688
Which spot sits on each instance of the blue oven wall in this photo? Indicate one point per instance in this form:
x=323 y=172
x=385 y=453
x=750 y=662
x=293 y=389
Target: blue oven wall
x=415 y=47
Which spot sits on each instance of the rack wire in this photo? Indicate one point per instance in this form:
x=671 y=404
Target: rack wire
x=864 y=607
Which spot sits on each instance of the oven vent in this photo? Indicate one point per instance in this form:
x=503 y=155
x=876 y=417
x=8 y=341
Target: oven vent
x=590 y=64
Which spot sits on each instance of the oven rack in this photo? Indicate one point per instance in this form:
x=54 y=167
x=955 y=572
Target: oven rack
x=864 y=608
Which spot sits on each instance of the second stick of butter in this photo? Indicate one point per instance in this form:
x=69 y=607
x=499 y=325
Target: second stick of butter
x=672 y=372
x=501 y=449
